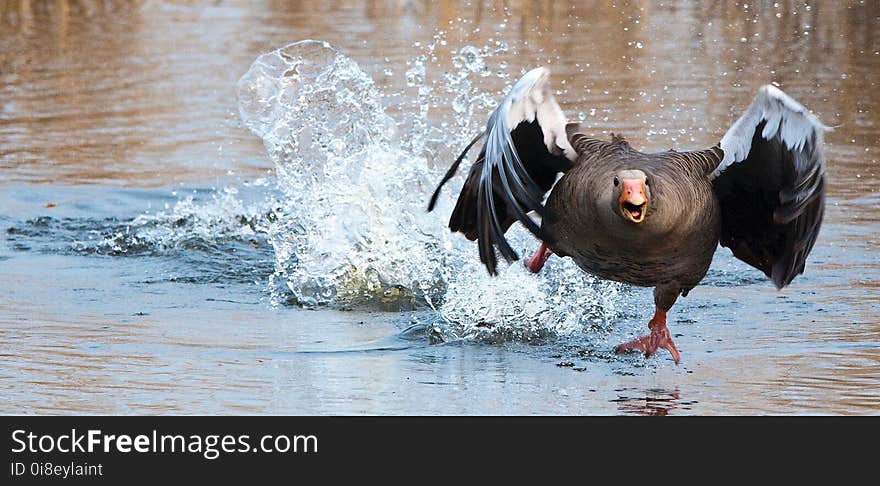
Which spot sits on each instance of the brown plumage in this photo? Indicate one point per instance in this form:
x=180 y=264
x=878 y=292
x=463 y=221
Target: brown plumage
x=651 y=220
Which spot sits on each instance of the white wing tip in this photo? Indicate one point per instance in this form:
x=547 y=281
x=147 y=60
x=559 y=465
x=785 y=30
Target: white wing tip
x=777 y=94
x=538 y=72
x=537 y=77
x=786 y=118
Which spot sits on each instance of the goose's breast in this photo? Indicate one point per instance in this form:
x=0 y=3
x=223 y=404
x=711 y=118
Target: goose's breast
x=622 y=263
x=681 y=250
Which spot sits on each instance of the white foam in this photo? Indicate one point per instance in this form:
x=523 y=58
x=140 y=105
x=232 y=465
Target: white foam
x=351 y=228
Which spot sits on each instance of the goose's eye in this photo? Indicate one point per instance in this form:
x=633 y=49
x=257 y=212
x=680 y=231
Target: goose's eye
x=616 y=182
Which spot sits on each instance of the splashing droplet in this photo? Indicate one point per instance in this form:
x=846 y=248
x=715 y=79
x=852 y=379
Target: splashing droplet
x=472 y=59
x=350 y=227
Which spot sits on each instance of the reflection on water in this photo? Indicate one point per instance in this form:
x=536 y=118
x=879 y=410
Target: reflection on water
x=653 y=401
x=140 y=96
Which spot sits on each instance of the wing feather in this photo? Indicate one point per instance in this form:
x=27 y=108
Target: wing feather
x=771 y=185
x=525 y=147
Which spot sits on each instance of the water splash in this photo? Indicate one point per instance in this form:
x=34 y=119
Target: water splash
x=351 y=227
x=199 y=236
x=346 y=231
x=223 y=217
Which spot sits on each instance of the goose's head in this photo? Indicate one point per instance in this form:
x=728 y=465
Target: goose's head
x=632 y=194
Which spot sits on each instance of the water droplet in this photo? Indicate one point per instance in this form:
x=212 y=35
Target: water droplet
x=415 y=76
x=349 y=226
x=471 y=58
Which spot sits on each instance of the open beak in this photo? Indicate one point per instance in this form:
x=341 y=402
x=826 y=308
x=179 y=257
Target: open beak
x=633 y=200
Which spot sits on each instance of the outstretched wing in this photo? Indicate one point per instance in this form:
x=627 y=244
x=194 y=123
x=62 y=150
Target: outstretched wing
x=525 y=148
x=771 y=185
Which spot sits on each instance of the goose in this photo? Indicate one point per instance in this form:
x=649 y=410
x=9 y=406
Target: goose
x=644 y=219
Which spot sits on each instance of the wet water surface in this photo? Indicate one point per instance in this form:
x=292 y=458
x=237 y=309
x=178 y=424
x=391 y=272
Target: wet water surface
x=173 y=239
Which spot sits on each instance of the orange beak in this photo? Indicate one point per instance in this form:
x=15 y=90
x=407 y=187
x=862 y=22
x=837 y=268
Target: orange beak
x=633 y=200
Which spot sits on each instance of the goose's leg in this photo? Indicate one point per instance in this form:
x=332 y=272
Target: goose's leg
x=537 y=261
x=659 y=338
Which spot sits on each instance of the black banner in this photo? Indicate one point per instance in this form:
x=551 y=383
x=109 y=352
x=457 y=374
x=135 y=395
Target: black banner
x=114 y=450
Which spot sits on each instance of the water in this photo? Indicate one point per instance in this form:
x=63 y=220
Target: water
x=179 y=239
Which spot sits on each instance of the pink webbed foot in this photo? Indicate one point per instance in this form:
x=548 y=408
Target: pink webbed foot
x=658 y=339
x=537 y=261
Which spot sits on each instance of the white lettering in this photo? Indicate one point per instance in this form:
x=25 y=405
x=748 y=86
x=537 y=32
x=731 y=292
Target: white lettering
x=142 y=443
x=94 y=439
x=16 y=439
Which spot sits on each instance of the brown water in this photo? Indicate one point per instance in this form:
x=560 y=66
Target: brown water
x=112 y=111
